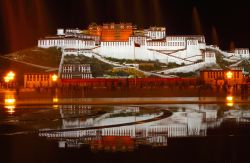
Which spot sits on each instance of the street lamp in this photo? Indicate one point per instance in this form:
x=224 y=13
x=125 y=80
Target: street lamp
x=229 y=75
x=9 y=77
x=6 y=79
x=55 y=100
x=54 y=78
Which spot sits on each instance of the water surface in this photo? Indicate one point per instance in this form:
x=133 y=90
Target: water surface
x=214 y=132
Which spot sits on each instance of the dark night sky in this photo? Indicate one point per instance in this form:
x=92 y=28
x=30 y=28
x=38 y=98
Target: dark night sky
x=221 y=21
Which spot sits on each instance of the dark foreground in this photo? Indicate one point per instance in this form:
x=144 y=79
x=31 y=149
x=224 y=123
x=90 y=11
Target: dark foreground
x=201 y=133
x=217 y=149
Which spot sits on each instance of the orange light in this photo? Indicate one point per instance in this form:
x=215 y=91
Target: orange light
x=9 y=101
x=10 y=109
x=55 y=106
x=9 y=104
x=229 y=98
x=6 y=79
x=9 y=77
x=54 y=77
x=229 y=74
x=55 y=100
x=230 y=104
x=230 y=101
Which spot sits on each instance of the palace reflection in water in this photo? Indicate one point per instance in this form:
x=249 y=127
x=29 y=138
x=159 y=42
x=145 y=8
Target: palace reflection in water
x=10 y=102
x=124 y=128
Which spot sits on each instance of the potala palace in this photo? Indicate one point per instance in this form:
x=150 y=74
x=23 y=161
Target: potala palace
x=125 y=41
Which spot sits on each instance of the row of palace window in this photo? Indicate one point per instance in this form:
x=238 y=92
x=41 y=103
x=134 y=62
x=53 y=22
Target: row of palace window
x=192 y=42
x=213 y=75
x=89 y=37
x=73 y=108
x=65 y=42
x=243 y=51
x=115 y=43
x=156 y=33
x=69 y=69
x=138 y=39
x=120 y=28
x=37 y=77
x=166 y=43
x=72 y=31
x=201 y=39
x=51 y=42
x=70 y=76
x=89 y=43
x=210 y=55
x=176 y=38
x=80 y=70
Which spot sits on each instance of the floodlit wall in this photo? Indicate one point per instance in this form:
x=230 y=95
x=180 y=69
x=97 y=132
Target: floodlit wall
x=66 y=43
x=242 y=53
x=210 y=57
x=188 y=68
x=140 y=53
x=192 y=48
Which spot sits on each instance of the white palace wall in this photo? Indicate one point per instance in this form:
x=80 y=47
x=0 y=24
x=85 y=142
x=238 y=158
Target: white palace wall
x=178 y=49
x=192 y=48
x=140 y=53
x=127 y=50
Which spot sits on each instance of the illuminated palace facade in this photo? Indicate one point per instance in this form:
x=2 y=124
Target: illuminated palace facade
x=125 y=41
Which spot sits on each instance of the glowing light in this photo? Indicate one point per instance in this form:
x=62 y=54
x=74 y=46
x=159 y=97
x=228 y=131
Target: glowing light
x=6 y=79
x=9 y=104
x=230 y=101
x=230 y=104
x=9 y=77
x=229 y=74
x=55 y=106
x=215 y=39
x=54 y=77
x=229 y=98
x=55 y=100
x=197 y=21
x=10 y=101
x=10 y=109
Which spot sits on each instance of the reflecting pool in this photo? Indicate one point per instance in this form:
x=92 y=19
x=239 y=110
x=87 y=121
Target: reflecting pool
x=126 y=133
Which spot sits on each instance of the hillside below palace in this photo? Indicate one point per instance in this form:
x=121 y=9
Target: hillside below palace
x=125 y=41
